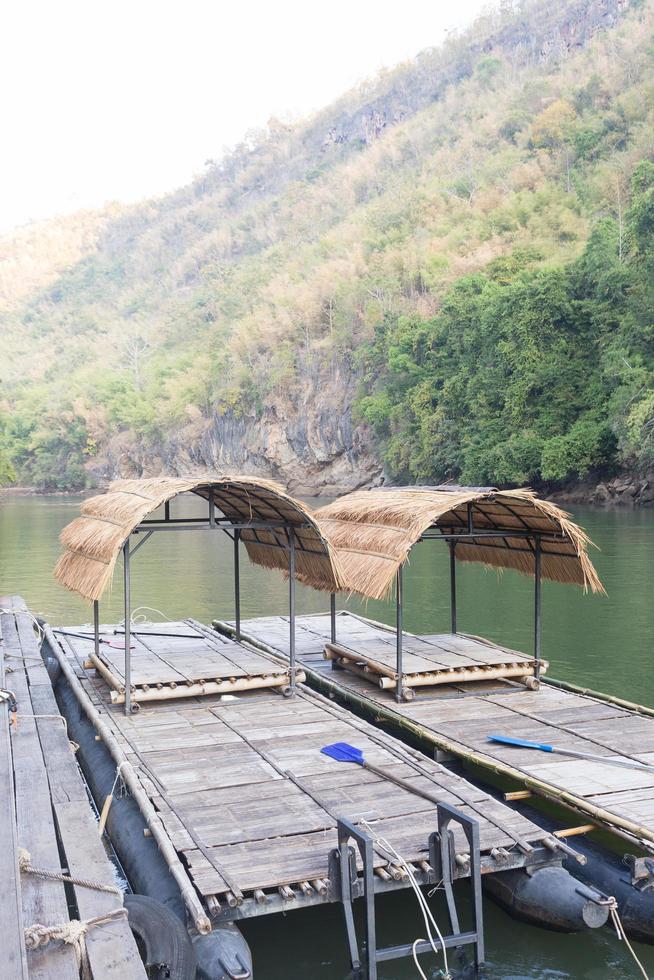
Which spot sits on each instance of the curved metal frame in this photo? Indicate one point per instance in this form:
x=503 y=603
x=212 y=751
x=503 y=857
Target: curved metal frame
x=210 y=523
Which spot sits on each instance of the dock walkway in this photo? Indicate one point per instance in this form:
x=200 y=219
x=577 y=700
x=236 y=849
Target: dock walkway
x=250 y=803
x=45 y=811
x=459 y=717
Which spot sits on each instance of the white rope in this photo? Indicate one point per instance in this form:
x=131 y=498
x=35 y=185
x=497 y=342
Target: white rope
x=619 y=928
x=25 y=612
x=422 y=903
x=137 y=620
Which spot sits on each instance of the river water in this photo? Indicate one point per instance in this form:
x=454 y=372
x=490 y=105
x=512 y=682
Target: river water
x=605 y=643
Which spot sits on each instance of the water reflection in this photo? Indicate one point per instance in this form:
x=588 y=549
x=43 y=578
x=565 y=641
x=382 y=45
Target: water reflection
x=601 y=642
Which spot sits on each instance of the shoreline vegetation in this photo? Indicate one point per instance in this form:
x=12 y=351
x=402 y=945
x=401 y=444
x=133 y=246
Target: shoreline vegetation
x=445 y=276
x=624 y=491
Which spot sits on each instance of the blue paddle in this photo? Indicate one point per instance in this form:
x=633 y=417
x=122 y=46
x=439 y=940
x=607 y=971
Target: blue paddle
x=343 y=752
x=523 y=743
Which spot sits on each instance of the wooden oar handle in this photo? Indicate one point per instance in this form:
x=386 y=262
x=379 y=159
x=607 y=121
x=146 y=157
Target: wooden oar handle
x=404 y=783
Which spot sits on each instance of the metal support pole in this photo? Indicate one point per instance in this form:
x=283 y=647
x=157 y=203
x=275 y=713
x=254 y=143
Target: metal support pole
x=212 y=510
x=96 y=627
x=291 y=604
x=332 y=616
x=237 y=585
x=128 y=638
x=399 y=693
x=537 y=608
x=453 y=586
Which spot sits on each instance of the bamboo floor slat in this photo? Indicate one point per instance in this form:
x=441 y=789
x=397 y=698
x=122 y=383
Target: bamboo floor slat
x=250 y=802
x=461 y=716
x=53 y=821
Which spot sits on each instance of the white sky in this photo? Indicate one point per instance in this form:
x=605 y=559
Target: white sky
x=122 y=99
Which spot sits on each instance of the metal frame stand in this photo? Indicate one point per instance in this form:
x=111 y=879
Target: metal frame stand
x=452 y=586
x=291 y=608
x=348 y=886
x=537 y=608
x=128 y=627
x=237 y=585
x=399 y=637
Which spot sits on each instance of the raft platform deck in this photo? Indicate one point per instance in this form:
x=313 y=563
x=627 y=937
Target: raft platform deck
x=183 y=665
x=435 y=658
x=457 y=718
x=251 y=804
x=45 y=811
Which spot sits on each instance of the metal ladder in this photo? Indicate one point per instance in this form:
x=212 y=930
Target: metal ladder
x=348 y=885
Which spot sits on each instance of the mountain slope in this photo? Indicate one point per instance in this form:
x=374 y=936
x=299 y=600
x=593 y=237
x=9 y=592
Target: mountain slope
x=298 y=308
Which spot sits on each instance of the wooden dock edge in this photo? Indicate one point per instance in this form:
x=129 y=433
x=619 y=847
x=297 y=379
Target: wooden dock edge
x=626 y=829
x=200 y=918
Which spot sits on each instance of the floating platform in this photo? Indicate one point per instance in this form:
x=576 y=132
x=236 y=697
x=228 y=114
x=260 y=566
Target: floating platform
x=48 y=832
x=428 y=660
x=168 y=664
x=457 y=718
x=250 y=804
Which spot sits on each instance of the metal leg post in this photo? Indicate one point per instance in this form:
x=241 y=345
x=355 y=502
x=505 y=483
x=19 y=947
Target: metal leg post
x=332 y=616
x=537 y=608
x=291 y=605
x=399 y=690
x=237 y=584
x=128 y=626
x=453 y=586
x=96 y=628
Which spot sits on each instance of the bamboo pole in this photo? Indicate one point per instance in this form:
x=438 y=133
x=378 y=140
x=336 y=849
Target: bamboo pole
x=111 y=679
x=447 y=675
x=465 y=674
x=152 y=819
x=642 y=709
x=350 y=655
x=168 y=692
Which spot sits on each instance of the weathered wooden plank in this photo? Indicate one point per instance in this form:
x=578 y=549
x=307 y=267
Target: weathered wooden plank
x=43 y=901
x=11 y=921
x=111 y=947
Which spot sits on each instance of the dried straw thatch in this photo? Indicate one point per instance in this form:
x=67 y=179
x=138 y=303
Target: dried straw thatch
x=373 y=531
x=94 y=540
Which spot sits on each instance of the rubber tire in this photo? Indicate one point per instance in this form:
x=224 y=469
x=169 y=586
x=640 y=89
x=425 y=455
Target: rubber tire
x=169 y=953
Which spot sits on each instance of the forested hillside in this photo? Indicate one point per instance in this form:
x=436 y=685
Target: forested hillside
x=447 y=274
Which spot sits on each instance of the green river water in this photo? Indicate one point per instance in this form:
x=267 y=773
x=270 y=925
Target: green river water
x=604 y=643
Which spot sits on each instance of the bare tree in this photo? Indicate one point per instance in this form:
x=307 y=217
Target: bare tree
x=136 y=350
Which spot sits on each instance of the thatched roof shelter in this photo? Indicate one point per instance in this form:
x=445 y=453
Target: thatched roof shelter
x=373 y=531
x=94 y=540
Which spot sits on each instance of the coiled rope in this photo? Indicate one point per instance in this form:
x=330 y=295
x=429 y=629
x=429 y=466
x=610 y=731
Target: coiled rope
x=73 y=933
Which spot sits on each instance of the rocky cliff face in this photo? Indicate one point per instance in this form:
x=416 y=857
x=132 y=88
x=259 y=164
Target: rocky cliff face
x=312 y=446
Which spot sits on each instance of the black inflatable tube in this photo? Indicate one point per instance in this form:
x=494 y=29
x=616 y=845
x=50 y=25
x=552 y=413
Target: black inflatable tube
x=548 y=897
x=146 y=869
x=606 y=871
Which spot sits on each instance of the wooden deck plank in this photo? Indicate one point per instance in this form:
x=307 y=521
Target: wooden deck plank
x=11 y=920
x=54 y=812
x=43 y=901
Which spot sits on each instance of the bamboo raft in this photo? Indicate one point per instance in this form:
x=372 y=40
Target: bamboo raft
x=189 y=663
x=249 y=804
x=457 y=718
x=45 y=811
x=438 y=658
